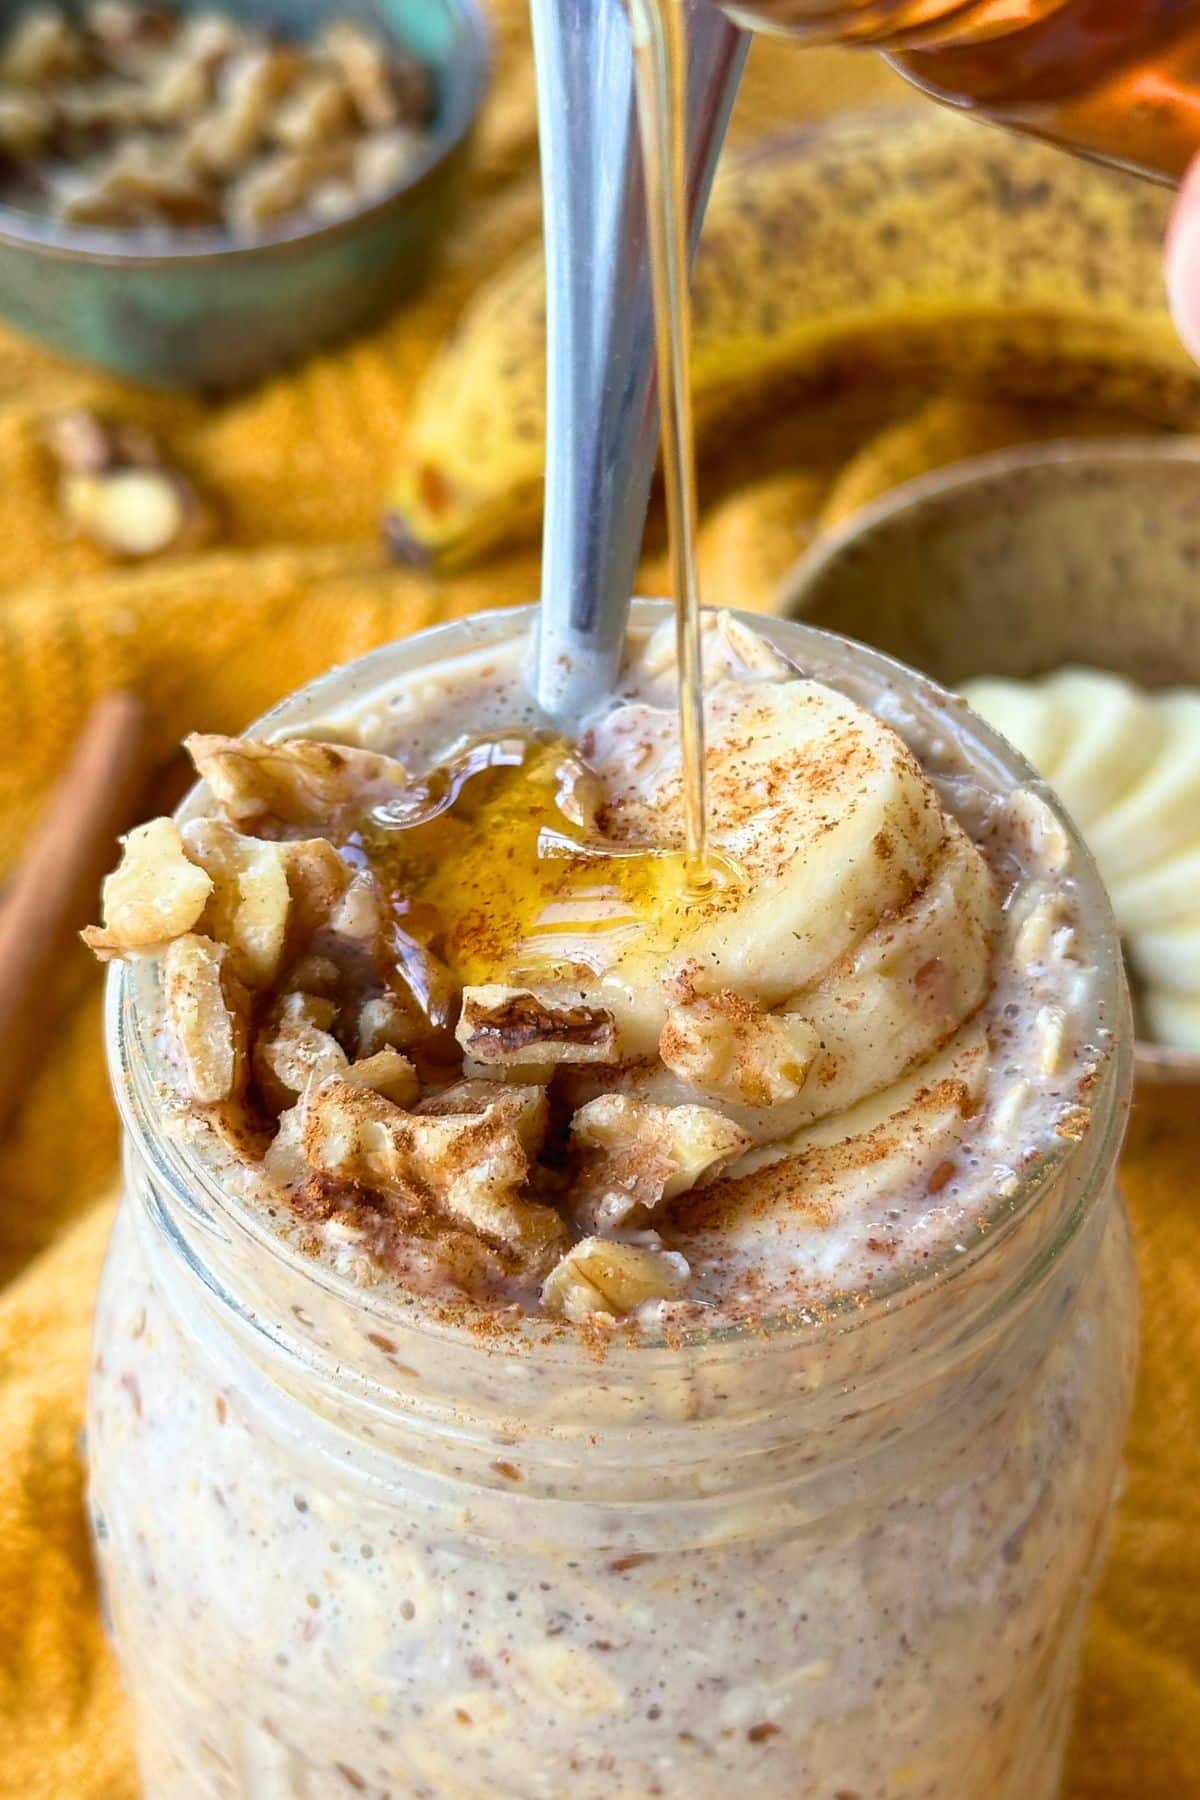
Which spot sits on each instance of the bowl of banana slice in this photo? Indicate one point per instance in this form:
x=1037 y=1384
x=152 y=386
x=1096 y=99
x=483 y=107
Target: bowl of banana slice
x=1058 y=589
x=193 y=193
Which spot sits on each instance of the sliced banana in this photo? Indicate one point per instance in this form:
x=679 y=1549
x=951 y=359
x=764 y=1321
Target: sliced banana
x=823 y=816
x=1163 y=894
x=887 y=1006
x=1169 y=958
x=1172 y=1018
x=836 y=1172
x=1022 y=713
x=1127 y=765
x=1160 y=815
x=1109 y=734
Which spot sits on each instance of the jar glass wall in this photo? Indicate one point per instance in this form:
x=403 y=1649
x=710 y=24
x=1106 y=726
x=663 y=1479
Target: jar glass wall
x=347 y=1549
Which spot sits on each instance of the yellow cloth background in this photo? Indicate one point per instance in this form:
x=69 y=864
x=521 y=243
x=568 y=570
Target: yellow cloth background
x=299 y=467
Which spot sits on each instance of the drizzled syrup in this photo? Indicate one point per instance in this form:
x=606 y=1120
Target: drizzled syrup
x=660 y=64
x=498 y=862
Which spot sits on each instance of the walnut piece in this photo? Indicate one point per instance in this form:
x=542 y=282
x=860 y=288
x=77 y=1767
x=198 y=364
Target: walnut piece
x=598 y=1276
x=44 y=48
x=296 y=1049
x=631 y=1156
x=734 y=1050
x=114 y=488
x=280 y=184
x=155 y=894
x=365 y=66
x=203 y=1018
x=385 y=1023
x=135 y=184
x=26 y=124
x=251 y=899
x=317 y=111
x=299 y=781
x=137 y=118
x=387 y=1073
x=511 y=1026
x=526 y=1109
x=470 y=1167
x=250 y=83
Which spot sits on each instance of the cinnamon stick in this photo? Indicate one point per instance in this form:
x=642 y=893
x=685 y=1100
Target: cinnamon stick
x=54 y=890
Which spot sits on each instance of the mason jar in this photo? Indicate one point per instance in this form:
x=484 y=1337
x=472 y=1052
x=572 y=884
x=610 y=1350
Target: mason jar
x=349 y=1549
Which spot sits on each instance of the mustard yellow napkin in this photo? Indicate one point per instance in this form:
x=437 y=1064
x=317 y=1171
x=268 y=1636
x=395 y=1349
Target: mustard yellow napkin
x=298 y=468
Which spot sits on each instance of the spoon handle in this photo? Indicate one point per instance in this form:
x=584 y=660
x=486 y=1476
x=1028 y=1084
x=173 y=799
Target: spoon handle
x=601 y=408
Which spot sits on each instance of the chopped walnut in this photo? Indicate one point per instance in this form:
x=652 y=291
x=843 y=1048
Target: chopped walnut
x=385 y=1023
x=296 y=1049
x=550 y=1024
x=383 y=160
x=387 y=1073
x=317 y=110
x=598 y=1276
x=204 y=1018
x=631 y=1156
x=251 y=899
x=580 y=793
x=133 y=118
x=250 y=84
x=135 y=185
x=317 y=878
x=126 y=34
x=283 y=1161
x=26 y=124
x=278 y=185
x=155 y=893
x=734 y=1050
x=114 y=487
x=45 y=47
x=365 y=66
x=299 y=781
x=469 y=1166
x=526 y=1109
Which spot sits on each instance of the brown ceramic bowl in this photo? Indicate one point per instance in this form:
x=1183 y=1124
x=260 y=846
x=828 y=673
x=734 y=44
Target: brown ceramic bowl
x=1017 y=563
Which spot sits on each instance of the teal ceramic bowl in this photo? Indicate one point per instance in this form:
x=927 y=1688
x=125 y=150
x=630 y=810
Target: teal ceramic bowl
x=195 y=308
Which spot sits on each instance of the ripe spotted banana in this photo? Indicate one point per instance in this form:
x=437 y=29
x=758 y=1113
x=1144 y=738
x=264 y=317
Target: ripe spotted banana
x=851 y=255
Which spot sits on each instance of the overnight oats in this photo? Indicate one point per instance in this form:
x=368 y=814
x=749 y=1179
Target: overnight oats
x=570 y=1331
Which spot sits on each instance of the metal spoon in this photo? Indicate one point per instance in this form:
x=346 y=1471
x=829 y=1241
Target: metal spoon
x=601 y=411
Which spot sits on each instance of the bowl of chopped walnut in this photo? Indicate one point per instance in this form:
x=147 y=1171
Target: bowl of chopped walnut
x=193 y=198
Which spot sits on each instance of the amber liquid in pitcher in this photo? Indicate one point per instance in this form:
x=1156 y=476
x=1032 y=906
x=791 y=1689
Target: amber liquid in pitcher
x=1115 y=79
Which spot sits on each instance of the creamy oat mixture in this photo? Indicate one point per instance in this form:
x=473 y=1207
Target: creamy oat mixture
x=449 y=999
x=350 y=1547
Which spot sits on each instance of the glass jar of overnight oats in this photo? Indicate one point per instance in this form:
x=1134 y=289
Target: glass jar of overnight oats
x=843 y=1548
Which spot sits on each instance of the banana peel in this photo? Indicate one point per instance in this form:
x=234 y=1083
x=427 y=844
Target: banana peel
x=860 y=252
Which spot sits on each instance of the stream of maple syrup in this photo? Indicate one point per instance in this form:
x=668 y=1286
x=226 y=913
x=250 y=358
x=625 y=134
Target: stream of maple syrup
x=660 y=70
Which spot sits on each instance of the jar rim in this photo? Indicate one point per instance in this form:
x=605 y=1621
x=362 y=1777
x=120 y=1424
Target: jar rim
x=186 y=1174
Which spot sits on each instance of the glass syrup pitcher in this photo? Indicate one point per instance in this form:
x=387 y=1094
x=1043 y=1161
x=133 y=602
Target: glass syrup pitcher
x=1114 y=79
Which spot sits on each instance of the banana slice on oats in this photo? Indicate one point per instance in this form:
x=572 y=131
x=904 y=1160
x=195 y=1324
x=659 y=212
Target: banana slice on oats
x=825 y=823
